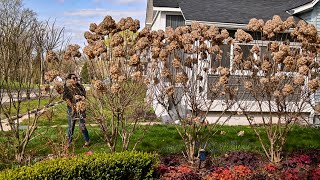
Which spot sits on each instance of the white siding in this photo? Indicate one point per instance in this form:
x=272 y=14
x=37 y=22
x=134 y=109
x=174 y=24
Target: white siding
x=313 y=16
x=307 y=16
x=160 y=22
x=316 y=10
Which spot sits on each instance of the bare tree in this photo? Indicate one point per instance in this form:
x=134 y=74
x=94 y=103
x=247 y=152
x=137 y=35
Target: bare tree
x=20 y=33
x=116 y=63
x=279 y=78
x=189 y=81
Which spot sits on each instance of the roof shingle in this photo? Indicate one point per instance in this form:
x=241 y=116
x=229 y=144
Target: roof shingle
x=166 y=3
x=231 y=11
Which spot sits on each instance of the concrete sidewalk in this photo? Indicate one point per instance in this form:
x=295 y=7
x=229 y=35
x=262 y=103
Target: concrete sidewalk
x=21 y=117
x=6 y=97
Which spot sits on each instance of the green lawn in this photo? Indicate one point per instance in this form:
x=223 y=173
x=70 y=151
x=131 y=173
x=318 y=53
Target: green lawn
x=15 y=85
x=26 y=106
x=56 y=115
x=164 y=139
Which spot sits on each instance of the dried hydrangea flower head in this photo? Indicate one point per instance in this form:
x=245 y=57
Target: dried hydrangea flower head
x=289 y=62
x=59 y=87
x=181 y=77
x=289 y=23
x=93 y=27
x=51 y=75
x=264 y=81
x=169 y=91
x=118 y=51
x=121 y=24
x=268 y=29
x=285 y=48
x=137 y=76
x=98 y=85
x=299 y=80
x=51 y=56
x=134 y=60
x=155 y=52
x=145 y=32
x=305 y=33
x=277 y=94
x=88 y=35
x=109 y=23
x=278 y=24
x=176 y=63
x=287 y=90
x=115 y=71
x=273 y=46
x=115 y=88
x=116 y=40
x=279 y=56
x=164 y=54
x=255 y=49
x=224 y=34
x=72 y=52
x=170 y=34
x=314 y=85
x=89 y=51
x=142 y=43
x=317 y=108
x=247 y=65
x=243 y=36
x=165 y=73
x=135 y=26
x=99 y=47
x=248 y=85
x=224 y=71
x=266 y=66
x=223 y=80
x=304 y=70
x=81 y=106
x=255 y=24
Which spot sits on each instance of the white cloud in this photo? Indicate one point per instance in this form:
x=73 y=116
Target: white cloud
x=104 y=12
x=60 y=1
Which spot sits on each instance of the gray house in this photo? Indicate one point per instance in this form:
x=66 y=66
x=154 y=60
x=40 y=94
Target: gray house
x=231 y=15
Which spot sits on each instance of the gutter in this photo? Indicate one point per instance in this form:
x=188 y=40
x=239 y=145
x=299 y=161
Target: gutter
x=220 y=25
x=302 y=8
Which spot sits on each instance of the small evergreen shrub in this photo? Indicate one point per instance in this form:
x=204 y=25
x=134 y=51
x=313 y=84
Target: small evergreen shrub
x=125 y=165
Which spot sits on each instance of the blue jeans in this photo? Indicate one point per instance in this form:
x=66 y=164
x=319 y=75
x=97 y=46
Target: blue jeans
x=72 y=123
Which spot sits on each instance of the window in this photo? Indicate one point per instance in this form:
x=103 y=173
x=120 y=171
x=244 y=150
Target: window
x=225 y=61
x=174 y=21
x=246 y=50
x=235 y=81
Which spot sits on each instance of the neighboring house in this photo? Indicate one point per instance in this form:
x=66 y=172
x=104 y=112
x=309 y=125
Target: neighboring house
x=231 y=15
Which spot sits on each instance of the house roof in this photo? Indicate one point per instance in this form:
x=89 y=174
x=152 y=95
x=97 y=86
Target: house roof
x=297 y=3
x=166 y=3
x=231 y=11
x=303 y=7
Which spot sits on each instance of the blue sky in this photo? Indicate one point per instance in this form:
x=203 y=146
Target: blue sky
x=76 y=15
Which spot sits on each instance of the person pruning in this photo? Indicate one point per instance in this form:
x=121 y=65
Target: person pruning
x=74 y=94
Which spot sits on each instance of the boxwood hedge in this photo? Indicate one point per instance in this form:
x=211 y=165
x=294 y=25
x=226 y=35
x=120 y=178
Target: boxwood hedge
x=125 y=165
